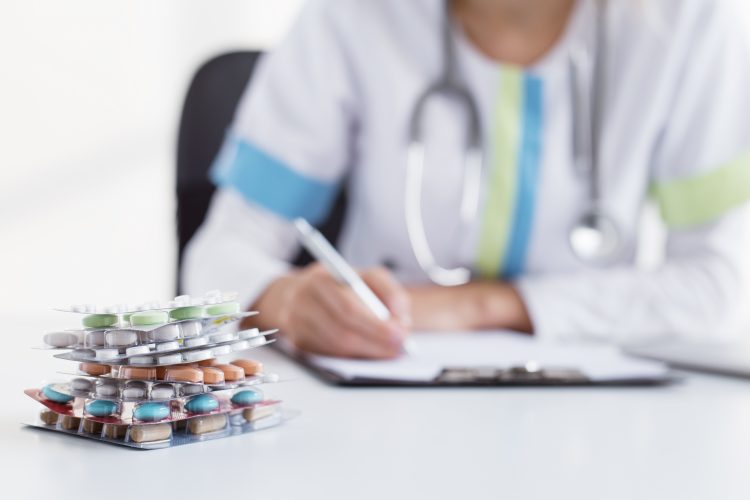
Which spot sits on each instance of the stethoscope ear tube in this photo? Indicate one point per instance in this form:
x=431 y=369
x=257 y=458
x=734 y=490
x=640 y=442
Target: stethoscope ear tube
x=594 y=238
x=472 y=180
x=415 y=223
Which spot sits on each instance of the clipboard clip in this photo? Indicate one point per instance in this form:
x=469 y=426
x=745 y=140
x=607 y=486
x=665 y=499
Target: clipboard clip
x=530 y=373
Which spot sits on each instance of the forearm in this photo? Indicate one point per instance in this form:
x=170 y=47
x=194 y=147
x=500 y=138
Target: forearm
x=700 y=291
x=474 y=306
x=239 y=248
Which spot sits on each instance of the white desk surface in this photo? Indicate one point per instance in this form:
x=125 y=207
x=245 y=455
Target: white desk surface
x=690 y=440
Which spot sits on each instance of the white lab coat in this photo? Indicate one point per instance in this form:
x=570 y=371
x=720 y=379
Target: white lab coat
x=332 y=104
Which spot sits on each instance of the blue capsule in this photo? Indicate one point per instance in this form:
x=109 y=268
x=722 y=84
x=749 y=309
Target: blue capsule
x=247 y=397
x=151 y=412
x=101 y=408
x=56 y=396
x=202 y=403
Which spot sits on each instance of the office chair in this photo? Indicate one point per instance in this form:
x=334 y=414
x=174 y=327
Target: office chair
x=206 y=114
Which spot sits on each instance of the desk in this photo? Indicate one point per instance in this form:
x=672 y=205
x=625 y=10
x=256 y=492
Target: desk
x=690 y=440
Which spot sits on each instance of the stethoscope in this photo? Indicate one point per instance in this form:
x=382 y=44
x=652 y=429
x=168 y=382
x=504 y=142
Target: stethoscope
x=594 y=238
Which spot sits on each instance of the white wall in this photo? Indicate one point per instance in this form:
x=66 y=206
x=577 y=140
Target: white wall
x=90 y=95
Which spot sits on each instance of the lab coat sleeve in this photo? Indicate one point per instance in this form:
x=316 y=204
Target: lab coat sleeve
x=701 y=182
x=283 y=157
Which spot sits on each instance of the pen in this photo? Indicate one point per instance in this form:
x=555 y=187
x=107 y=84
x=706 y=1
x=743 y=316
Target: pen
x=323 y=251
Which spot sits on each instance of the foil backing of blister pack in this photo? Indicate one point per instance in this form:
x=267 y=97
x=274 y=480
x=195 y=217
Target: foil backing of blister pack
x=180 y=430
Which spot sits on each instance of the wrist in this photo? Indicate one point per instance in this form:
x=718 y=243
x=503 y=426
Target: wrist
x=499 y=305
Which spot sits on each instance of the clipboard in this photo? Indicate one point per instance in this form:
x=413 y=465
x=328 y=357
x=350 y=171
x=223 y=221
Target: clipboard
x=468 y=362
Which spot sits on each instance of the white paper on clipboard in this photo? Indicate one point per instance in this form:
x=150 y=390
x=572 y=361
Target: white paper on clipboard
x=433 y=352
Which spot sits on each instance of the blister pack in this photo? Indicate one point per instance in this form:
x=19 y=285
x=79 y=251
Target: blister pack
x=151 y=376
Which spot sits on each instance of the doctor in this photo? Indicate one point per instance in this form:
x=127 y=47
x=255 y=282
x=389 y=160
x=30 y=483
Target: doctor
x=497 y=155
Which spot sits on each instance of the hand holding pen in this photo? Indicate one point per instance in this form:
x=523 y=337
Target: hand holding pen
x=329 y=309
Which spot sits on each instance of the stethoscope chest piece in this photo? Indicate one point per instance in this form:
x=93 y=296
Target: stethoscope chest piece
x=594 y=238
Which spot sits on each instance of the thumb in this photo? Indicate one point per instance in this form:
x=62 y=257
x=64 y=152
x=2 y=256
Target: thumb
x=391 y=292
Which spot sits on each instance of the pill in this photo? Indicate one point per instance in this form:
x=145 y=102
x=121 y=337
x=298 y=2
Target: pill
x=257 y=341
x=198 y=355
x=271 y=378
x=190 y=390
x=223 y=308
x=189 y=312
x=113 y=431
x=183 y=374
x=168 y=346
x=81 y=384
x=120 y=338
x=61 y=339
x=165 y=333
x=206 y=424
x=258 y=412
x=246 y=397
x=249 y=366
x=49 y=417
x=52 y=392
x=135 y=390
x=148 y=318
x=196 y=341
x=212 y=375
x=137 y=349
x=92 y=427
x=222 y=350
x=221 y=337
x=94 y=368
x=94 y=338
x=237 y=419
x=240 y=346
x=169 y=359
x=70 y=423
x=182 y=299
x=82 y=354
x=99 y=320
x=141 y=360
x=101 y=408
x=162 y=391
x=208 y=362
x=190 y=328
x=136 y=372
x=202 y=403
x=106 y=389
x=248 y=334
x=231 y=372
x=151 y=412
x=150 y=433
x=106 y=353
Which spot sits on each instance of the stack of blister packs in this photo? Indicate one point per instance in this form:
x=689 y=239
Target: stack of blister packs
x=150 y=376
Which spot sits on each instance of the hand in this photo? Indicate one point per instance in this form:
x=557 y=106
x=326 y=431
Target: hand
x=318 y=314
x=473 y=306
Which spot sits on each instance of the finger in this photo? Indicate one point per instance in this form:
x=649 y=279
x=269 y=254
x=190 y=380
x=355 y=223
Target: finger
x=324 y=335
x=343 y=304
x=391 y=292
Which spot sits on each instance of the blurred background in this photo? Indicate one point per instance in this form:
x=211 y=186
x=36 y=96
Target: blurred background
x=91 y=98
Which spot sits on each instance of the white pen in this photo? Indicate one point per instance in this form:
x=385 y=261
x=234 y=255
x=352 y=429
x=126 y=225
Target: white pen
x=323 y=251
